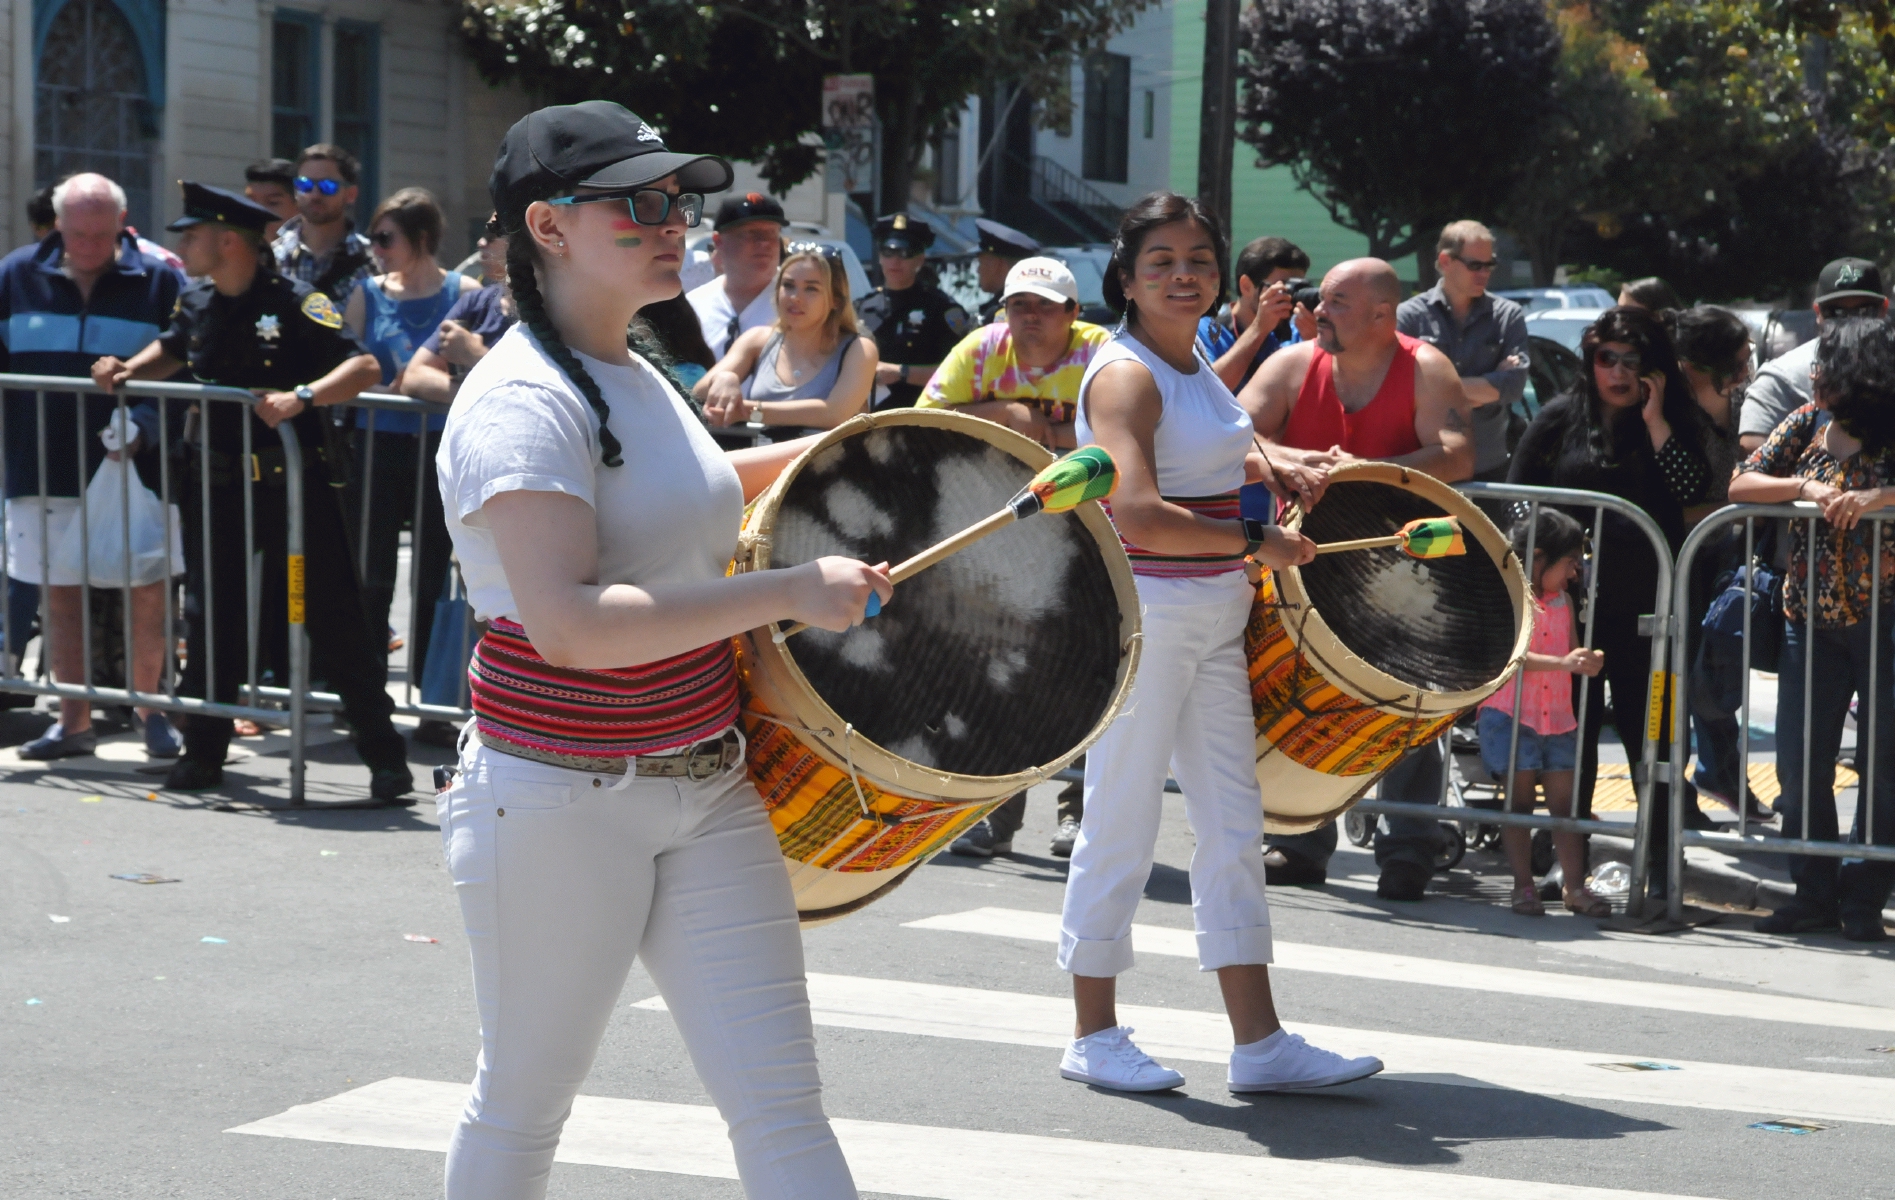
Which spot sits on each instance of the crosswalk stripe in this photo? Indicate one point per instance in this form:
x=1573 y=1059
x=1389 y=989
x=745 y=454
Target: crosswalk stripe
x=902 y=1160
x=1404 y=968
x=1013 y=1018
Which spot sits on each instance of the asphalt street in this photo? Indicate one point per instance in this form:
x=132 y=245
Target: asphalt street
x=273 y=990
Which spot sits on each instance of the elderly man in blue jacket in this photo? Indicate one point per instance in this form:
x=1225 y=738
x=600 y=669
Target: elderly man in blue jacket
x=87 y=290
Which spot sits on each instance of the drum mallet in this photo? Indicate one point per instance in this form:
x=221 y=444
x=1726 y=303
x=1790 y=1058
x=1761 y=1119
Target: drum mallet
x=1424 y=537
x=1088 y=473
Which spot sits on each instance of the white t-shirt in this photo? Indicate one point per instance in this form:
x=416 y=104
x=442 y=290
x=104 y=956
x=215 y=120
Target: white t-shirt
x=714 y=310
x=669 y=514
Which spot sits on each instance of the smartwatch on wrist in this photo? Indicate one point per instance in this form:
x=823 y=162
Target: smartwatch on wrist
x=1255 y=533
x=306 y=394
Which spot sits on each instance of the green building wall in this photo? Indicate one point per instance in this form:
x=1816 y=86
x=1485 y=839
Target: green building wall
x=1264 y=202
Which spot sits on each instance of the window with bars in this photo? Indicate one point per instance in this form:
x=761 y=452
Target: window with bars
x=91 y=111
x=1108 y=117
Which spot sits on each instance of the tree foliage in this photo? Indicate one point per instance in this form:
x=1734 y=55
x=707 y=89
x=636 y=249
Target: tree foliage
x=743 y=77
x=1398 y=115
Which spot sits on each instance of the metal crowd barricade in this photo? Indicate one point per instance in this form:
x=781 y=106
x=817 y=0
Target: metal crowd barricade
x=1744 y=842
x=1646 y=768
x=169 y=398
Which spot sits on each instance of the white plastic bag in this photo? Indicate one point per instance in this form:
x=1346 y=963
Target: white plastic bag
x=101 y=540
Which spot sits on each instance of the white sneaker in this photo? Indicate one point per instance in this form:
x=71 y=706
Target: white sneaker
x=1110 y=1059
x=1295 y=1065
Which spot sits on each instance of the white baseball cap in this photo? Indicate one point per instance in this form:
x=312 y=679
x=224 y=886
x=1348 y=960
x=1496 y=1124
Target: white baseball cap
x=1047 y=277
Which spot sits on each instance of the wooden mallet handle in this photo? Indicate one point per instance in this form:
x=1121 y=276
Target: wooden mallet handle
x=911 y=567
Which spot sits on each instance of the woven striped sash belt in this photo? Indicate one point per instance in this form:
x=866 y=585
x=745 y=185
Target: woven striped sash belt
x=589 y=720
x=1185 y=566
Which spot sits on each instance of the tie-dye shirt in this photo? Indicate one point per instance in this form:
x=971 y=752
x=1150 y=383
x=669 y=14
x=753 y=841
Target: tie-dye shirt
x=982 y=367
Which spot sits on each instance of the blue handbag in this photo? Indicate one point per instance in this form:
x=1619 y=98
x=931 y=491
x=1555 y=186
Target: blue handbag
x=450 y=645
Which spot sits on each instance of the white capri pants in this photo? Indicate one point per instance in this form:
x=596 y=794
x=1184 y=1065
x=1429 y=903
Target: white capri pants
x=562 y=882
x=1189 y=712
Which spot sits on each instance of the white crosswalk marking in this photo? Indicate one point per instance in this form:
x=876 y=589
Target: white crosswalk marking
x=902 y=1160
x=1403 y=968
x=1012 y=1018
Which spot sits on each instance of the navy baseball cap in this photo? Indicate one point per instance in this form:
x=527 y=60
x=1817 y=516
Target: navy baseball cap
x=596 y=144
x=205 y=204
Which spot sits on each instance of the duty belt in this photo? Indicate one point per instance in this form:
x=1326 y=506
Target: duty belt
x=705 y=760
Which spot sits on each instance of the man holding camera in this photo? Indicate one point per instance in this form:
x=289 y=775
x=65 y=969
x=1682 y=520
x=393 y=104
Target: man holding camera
x=1270 y=271
x=1484 y=336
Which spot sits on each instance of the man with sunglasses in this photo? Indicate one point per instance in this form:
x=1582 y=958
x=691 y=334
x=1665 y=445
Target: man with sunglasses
x=1847 y=287
x=914 y=322
x=319 y=245
x=1484 y=336
x=749 y=242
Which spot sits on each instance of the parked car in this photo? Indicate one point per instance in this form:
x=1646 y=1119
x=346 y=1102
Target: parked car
x=1564 y=326
x=1542 y=299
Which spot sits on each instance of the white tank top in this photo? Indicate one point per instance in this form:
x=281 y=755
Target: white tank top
x=1203 y=434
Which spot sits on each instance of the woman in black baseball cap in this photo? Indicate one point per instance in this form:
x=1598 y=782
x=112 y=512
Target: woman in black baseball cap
x=602 y=811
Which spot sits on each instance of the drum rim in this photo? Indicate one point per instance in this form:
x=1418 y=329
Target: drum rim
x=779 y=683
x=1316 y=640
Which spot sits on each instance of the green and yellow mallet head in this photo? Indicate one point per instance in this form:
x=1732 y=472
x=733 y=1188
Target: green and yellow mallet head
x=1088 y=473
x=1432 y=537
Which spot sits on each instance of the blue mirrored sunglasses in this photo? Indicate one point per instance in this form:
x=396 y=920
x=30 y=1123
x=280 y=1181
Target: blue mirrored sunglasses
x=648 y=206
x=327 y=187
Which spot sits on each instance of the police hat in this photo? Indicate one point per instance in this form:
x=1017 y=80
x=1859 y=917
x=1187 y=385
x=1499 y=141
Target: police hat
x=901 y=235
x=596 y=144
x=204 y=203
x=751 y=206
x=1004 y=240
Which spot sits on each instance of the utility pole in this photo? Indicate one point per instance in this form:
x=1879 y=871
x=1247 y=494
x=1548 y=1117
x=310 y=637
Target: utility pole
x=1217 y=123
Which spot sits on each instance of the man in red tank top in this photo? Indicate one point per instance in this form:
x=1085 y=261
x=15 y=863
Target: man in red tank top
x=1363 y=391
x=1360 y=390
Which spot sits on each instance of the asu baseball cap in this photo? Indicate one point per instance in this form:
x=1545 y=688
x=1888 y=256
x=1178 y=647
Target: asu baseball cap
x=595 y=144
x=1847 y=277
x=1047 y=277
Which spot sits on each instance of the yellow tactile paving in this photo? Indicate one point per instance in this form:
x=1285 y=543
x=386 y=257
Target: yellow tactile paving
x=1613 y=792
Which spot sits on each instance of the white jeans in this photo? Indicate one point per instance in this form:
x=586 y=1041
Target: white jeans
x=562 y=882
x=1189 y=711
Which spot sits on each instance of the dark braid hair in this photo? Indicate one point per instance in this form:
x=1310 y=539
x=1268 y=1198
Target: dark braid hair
x=532 y=306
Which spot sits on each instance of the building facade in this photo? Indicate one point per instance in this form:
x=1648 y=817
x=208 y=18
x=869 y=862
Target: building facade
x=153 y=91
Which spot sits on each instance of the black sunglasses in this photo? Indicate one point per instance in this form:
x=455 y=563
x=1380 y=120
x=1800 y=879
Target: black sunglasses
x=327 y=187
x=1476 y=265
x=1837 y=312
x=1631 y=360
x=648 y=206
x=384 y=239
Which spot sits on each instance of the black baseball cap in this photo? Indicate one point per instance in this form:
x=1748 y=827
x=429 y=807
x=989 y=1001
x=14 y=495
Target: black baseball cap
x=1848 y=277
x=751 y=206
x=595 y=144
x=205 y=204
x=900 y=234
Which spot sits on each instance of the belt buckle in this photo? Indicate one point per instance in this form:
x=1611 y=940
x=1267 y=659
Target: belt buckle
x=717 y=765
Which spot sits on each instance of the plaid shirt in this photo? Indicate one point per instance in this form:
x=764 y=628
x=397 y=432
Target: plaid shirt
x=296 y=261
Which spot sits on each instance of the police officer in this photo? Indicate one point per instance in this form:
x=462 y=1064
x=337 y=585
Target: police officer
x=243 y=325
x=915 y=323
x=1000 y=247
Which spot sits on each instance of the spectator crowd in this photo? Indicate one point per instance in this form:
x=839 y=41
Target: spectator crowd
x=1669 y=411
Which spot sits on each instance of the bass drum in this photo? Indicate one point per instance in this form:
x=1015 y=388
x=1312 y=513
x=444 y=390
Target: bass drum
x=1360 y=656
x=984 y=675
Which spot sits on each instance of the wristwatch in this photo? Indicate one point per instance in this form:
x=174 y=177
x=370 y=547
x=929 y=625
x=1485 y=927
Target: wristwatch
x=1257 y=532
x=307 y=395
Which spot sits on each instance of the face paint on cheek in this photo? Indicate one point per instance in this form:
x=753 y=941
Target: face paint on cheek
x=623 y=233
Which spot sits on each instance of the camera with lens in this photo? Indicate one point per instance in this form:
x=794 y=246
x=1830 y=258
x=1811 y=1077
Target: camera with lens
x=1305 y=293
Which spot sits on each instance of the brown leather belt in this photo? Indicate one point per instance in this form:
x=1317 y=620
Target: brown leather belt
x=705 y=760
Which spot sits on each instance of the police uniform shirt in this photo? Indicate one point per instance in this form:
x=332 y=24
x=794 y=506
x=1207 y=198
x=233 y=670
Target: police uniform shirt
x=278 y=335
x=916 y=325
x=991 y=310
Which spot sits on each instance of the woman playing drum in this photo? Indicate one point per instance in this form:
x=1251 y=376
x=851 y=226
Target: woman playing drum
x=1183 y=447
x=601 y=811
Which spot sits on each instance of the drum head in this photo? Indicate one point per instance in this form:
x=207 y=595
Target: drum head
x=998 y=660
x=1447 y=624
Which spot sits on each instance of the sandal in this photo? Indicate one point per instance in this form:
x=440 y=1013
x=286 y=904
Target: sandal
x=1526 y=901
x=1582 y=903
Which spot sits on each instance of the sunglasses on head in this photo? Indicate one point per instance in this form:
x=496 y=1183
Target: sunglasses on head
x=1631 y=360
x=817 y=248
x=648 y=206
x=327 y=187
x=1476 y=265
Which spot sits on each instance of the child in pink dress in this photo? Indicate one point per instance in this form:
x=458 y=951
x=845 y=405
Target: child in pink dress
x=1548 y=741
